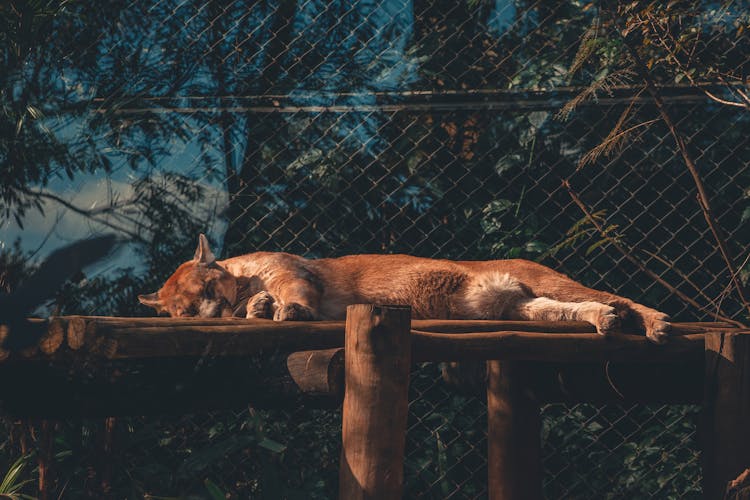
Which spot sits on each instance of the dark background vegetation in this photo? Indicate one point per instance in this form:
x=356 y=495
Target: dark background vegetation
x=466 y=129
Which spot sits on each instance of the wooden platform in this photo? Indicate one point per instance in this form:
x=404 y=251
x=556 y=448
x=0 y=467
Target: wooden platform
x=88 y=365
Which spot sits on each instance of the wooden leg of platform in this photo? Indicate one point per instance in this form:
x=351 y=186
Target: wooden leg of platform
x=377 y=361
x=513 y=434
x=726 y=431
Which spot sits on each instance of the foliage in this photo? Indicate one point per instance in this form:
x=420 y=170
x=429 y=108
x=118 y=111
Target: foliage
x=12 y=484
x=130 y=90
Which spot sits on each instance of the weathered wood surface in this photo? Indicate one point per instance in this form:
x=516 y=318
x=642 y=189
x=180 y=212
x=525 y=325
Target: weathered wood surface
x=514 y=425
x=376 y=402
x=318 y=372
x=739 y=488
x=726 y=433
x=76 y=334
x=566 y=348
x=116 y=365
x=124 y=338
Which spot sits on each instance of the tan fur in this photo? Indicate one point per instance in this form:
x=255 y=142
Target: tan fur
x=299 y=288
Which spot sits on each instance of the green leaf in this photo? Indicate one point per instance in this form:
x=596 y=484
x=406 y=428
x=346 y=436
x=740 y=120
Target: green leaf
x=10 y=483
x=745 y=215
x=214 y=490
x=535 y=247
x=596 y=245
x=206 y=457
x=272 y=445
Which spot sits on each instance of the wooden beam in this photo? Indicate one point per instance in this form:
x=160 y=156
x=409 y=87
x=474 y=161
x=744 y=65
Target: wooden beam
x=726 y=451
x=318 y=372
x=514 y=426
x=124 y=338
x=567 y=348
x=378 y=361
x=142 y=342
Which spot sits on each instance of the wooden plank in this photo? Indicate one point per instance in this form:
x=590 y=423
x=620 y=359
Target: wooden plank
x=124 y=338
x=568 y=348
x=431 y=325
x=191 y=341
x=376 y=402
x=513 y=434
x=726 y=450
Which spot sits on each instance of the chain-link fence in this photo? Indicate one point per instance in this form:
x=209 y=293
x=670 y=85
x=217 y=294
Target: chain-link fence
x=464 y=129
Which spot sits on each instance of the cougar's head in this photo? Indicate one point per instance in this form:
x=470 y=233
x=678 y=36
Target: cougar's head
x=200 y=287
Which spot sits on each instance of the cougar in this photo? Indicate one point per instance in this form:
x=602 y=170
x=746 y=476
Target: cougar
x=287 y=287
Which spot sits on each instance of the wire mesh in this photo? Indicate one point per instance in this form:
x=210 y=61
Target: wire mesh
x=433 y=128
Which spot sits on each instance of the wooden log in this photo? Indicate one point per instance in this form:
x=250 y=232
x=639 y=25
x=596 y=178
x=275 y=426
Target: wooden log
x=54 y=337
x=727 y=410
x=477 y=326
x=376 y=402
x=235 y=340
x=158 y=337
x=429 y=325
x=242 y=340
x=739 y=488
x=513 y=434
x=76 y=334
x=318 y=372
x=4 y=353
x=568 y=348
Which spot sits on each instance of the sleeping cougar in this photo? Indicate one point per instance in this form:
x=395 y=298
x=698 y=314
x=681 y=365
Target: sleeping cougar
x=288 y=287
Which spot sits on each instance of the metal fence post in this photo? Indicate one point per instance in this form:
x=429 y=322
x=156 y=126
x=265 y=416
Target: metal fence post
x=377 y=362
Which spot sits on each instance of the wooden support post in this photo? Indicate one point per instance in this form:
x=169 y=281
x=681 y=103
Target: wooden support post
x=726 y=432
x=513 y=434
x=377 y=361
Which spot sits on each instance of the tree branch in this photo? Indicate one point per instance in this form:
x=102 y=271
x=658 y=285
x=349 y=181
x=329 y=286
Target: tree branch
x=640 y=265
x=89 y=214
x=703 y=200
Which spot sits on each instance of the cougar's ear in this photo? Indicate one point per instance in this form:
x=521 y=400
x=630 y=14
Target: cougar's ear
x=151 y=300
x=203 y=254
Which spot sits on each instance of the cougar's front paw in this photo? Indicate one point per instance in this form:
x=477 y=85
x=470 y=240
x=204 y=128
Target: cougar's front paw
x=260 y=305
x=658 y=328
x=294 y=312
x=607 y=321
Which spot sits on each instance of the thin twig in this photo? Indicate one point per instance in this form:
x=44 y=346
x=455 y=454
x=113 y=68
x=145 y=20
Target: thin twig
x=703 y=200
x=81 y=211
x=639 y=264
x=685 y=278
x=663 y=42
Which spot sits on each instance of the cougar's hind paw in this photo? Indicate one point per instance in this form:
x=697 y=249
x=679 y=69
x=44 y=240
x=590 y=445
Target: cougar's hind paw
x=294 y=312
x=658 y=329
x=260 y=305
x=608 y=322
